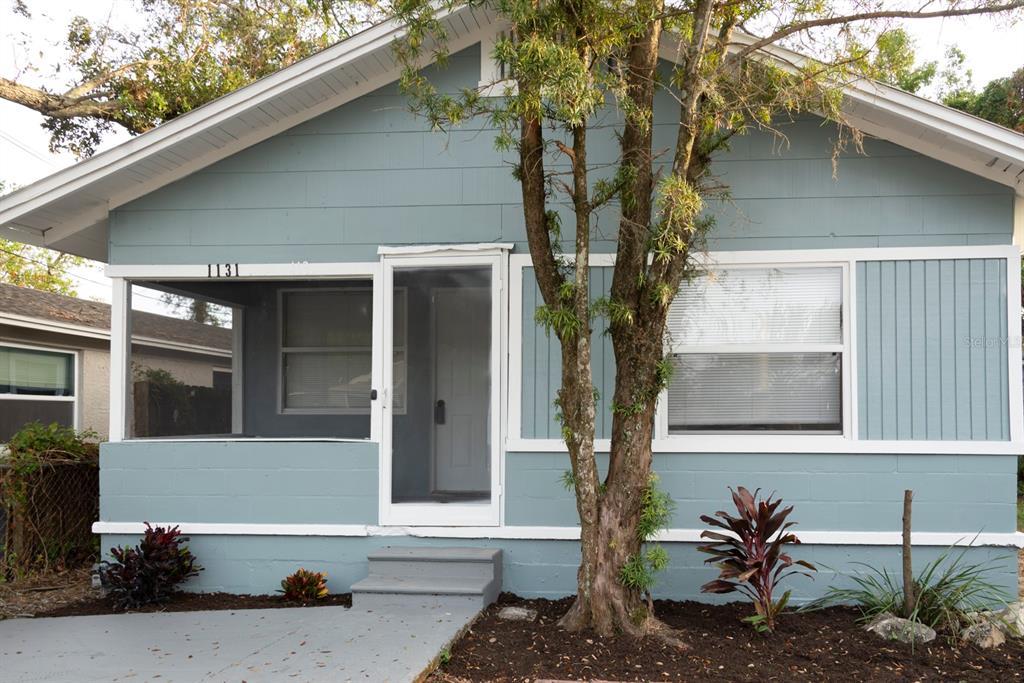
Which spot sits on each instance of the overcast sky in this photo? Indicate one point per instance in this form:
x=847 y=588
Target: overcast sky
x=993 y=48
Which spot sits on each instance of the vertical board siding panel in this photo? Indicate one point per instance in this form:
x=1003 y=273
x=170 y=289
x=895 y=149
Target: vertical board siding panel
x=932 y=361
x=932 y=355
x=887 y=333
x=542 y=364
x=862 y=349
x=528 y=372
x=975 y=343
x=962 y=351
x=874 y=350
x=904 y=354
x=918 y=354
x=596 y=290
x=947 y=370
x=992 y=349
x=1004 y=373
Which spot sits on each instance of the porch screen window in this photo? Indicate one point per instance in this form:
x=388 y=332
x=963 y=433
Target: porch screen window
x=326 y=348
x=756 y=350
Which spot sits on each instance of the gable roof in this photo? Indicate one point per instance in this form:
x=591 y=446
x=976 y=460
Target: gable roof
x=24 y=307
x=68 y=210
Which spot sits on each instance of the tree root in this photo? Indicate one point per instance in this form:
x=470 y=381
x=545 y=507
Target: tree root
x=579 y=618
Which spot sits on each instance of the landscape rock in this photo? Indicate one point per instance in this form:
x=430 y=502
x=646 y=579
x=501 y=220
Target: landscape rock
x=985 y=634
x=1009 y=620
x=512 y=613
x=891 y=627
x=1013 y=617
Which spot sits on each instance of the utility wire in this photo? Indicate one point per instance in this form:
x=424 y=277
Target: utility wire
x=80 y=277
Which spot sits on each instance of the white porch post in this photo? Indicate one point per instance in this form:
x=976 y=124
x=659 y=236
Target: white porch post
x=120 y=356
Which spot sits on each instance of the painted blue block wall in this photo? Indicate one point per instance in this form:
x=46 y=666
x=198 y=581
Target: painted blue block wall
x=256 y=564
x=371 y=173
x=932 y=350
x=307 y=482
x=861 y=492
x=336 y=483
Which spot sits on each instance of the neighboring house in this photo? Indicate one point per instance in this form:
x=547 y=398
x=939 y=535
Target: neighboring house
x=391 y=387
x=55 y=357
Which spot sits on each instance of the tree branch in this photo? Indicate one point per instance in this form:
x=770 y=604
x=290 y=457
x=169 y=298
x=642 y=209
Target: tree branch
x=802 y=26
x=64 y=107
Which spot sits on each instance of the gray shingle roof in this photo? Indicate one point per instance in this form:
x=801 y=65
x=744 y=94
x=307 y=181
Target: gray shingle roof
x=66 y=309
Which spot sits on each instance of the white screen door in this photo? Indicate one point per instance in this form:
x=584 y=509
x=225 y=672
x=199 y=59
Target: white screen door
x=440 y=450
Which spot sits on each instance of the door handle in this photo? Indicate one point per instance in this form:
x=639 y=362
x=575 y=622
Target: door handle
x=439 y=413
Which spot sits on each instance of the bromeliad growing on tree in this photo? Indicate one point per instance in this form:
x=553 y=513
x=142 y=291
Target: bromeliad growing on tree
x=581 y=69
x=751 y=557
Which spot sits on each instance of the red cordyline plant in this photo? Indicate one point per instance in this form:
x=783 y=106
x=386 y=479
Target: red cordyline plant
x=751 y=561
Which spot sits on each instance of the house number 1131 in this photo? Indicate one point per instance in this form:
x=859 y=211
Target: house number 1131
x=221 y=270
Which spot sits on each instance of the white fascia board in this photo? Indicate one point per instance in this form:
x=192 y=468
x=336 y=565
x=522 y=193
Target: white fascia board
x=556 y=533
x=57 y=327
x=46 y=325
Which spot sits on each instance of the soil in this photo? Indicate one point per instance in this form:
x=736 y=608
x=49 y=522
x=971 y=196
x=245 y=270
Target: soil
x=817 y=646
x=195 y=602
x=45 y=592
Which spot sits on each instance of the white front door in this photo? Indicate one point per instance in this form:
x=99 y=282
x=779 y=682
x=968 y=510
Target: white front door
x=440 y=441
x=462 y=389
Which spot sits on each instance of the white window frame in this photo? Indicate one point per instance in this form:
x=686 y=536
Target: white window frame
x=847 y=443
x=76 y=369
x=844 y=348
x=120 y=332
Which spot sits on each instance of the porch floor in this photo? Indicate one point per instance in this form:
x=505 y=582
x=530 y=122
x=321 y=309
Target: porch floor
x=305 y=644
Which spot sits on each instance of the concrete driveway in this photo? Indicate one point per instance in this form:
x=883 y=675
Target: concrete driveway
x=303 y=644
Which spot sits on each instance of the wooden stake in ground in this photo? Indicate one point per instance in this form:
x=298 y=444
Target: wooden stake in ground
x=909 y=600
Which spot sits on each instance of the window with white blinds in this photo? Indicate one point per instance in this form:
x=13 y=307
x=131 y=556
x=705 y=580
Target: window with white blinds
x=758 y=350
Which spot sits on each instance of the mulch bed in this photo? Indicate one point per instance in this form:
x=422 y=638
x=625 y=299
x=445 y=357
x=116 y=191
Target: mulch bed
x=827 y=645
x=195 y=602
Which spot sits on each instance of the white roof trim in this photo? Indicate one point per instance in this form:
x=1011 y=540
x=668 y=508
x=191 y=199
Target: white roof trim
x=75 y=200
x=58 y=327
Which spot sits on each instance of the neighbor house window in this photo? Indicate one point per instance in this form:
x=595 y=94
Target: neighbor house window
x=327 y=350
x=35 y=385
x=757 y=350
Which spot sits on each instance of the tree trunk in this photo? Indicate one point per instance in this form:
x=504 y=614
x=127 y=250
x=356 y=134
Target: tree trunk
x=909 y=591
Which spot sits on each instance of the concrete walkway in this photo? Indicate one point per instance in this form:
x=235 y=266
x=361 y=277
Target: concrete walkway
x=390 y=645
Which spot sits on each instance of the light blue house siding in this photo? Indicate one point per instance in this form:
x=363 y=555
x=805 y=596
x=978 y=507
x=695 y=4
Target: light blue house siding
x=369 y=173
x=931 y=345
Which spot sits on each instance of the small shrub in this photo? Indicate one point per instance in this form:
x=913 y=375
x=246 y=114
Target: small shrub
x=304 y=586
x=751 y=558
x=947 y=589
x=50 y=488
x=149 y=572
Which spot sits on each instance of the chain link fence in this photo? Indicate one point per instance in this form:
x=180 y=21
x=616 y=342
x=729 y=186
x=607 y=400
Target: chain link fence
x=48 y=509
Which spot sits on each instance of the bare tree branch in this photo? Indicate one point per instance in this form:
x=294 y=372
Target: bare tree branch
x=802 y=26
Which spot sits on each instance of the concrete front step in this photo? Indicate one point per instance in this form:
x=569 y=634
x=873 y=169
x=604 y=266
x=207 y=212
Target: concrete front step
x=468 y=563
x=409 y=574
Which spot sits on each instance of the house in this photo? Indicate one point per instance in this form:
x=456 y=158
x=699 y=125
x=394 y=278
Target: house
x=55 y=358
x=858 y=335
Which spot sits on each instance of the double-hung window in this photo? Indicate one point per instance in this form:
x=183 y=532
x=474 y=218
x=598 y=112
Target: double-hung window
x=35 y=385
x=327 y=350
x=758 y=349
